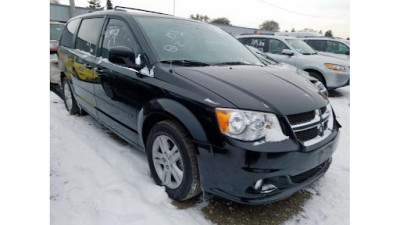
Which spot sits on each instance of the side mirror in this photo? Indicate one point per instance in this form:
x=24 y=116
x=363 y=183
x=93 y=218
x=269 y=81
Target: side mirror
x=287 y=52
x=123 y=56
x=348 y=53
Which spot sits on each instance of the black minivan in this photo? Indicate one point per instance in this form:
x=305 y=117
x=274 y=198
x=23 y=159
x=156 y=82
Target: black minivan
x=209 y=115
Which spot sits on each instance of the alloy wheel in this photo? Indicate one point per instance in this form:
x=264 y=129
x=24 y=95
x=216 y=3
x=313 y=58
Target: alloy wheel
x=167 y=161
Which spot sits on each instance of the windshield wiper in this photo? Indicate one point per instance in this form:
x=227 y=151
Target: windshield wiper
x=232 y=63
x=185 y=62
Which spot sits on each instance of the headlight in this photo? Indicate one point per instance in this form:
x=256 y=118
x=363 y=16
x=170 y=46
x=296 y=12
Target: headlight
x=249 y=125
x=335 y=67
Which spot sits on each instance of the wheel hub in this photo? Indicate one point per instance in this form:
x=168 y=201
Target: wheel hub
x=167 y=161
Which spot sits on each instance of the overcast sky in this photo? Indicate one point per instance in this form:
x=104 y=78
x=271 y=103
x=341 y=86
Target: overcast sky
x=299 y=14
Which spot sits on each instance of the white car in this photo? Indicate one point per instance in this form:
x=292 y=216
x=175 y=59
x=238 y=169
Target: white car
x=332 y=72
x=337 y=48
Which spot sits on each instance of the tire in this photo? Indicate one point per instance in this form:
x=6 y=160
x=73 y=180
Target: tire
x=317 y=76
x=69 y=99
x=173 y=135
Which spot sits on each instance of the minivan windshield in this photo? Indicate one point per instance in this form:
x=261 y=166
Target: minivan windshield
x=183 y=40
x=301 y=47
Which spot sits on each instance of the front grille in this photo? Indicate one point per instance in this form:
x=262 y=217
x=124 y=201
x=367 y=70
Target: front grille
x=306 y=135
x=301 y=117
x=323 y=110
x=308 y=174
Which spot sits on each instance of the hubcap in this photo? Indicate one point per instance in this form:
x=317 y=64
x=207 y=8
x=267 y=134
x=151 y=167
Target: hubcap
x=167 y=161
x=67 y=96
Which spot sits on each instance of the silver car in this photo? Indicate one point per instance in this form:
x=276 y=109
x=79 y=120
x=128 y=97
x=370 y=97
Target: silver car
x=332 y=72
x=270 y=62
x=337 y=48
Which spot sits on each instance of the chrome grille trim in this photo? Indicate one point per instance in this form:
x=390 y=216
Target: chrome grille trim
x=318 y=121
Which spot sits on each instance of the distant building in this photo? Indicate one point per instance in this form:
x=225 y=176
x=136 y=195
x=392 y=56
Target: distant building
x=235 y=30
x=299 y=34
x=60 y=12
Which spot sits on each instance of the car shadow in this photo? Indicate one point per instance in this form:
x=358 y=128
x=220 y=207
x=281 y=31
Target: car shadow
x=334 y=93
x=224 y=212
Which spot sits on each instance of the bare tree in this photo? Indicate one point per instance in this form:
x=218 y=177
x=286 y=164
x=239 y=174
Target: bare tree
x=270 y=25
x=222 y=20
x=329 y=33
x=200 y=18
x=94 y=4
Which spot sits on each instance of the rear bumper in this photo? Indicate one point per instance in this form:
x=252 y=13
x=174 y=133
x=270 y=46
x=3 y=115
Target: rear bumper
x=231 y=172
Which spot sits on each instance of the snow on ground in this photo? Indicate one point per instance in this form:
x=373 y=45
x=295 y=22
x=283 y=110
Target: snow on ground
x=330 y=203
x=97 y=180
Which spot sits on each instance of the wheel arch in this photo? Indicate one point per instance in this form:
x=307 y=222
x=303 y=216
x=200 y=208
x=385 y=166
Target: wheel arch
x=316 y=71
x=162 y=109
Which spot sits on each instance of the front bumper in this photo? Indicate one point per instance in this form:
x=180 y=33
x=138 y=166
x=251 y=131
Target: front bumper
x=336 y=79
x=231 y=172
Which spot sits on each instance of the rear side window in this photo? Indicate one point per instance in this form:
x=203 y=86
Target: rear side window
x=258 y=43
x=319 y=45
x=117 y=33
x=68 y=34
x=88 y=34
x=337 y=48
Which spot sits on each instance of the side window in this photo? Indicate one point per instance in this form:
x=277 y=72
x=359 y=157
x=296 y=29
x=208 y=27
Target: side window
x=117 y=33
x=276 y=46
x=243 y=40
x=337 y=47
x=68 y=33
x=88 y=34
x=259 y=43
x=318 y=45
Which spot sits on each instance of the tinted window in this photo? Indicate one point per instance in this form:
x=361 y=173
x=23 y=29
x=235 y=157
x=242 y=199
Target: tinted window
x=258 y=43
x=88 y=34
x=318 y=45
x=117 y=33
x=68 y=34
x=276 y=46
x=56 y=31
x=337 y=48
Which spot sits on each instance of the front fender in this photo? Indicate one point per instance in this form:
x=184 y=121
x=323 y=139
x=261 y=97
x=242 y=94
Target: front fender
x=173 y=110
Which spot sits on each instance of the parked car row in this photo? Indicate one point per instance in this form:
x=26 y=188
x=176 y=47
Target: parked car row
x=56 y=29
x=330 y=47
x=210 y=114
x=283 y=66
x=332 y=72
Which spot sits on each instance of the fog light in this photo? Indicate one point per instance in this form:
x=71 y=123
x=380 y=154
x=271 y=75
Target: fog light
x=268 y=188
x=258 y=184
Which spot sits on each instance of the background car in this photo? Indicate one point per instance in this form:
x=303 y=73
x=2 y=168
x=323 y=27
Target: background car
x=337 y=48
x=56 y=29
x=332 y=72
x=271 y=62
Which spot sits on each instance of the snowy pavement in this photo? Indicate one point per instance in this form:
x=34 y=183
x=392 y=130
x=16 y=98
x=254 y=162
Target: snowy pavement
x=98 y=179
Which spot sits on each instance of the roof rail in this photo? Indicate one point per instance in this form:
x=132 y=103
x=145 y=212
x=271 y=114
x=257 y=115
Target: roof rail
x=123 y=8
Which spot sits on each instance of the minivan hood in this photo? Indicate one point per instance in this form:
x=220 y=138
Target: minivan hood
x=269 y=89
